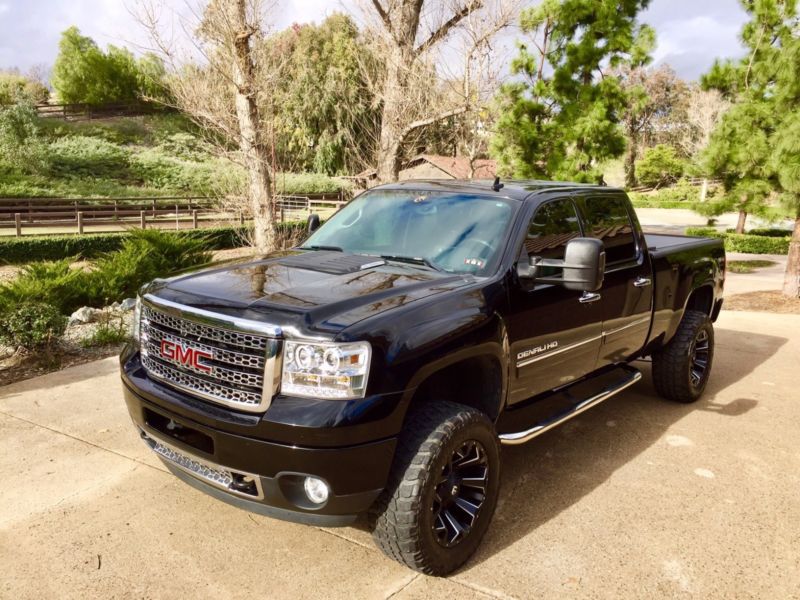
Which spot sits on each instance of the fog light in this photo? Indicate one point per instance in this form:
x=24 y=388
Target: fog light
x=316 y=490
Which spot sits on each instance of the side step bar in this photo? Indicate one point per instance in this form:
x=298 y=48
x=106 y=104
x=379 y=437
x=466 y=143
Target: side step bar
x=514 y=439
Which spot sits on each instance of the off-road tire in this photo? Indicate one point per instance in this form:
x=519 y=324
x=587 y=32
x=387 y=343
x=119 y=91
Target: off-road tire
x=673 y=364
x=403 y=516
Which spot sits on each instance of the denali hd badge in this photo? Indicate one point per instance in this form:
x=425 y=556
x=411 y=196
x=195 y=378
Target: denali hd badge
x=537 y=350
x=185 y=355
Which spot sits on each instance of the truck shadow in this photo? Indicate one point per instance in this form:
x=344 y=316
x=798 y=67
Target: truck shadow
x=551 y=473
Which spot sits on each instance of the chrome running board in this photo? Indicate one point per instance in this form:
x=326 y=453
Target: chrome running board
x=513 y=439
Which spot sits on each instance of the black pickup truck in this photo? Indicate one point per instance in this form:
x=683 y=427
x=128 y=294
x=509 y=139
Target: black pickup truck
x=377 y=368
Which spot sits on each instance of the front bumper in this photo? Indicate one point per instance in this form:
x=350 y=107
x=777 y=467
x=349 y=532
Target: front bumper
x=262 y=476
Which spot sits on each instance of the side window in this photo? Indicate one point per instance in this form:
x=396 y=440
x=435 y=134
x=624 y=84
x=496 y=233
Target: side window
x=552 y=226
x=607 y=219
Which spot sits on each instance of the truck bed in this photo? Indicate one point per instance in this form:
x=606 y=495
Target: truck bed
x=661 y=244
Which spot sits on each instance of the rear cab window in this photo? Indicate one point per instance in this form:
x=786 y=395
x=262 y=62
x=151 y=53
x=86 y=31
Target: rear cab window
x=607 y=218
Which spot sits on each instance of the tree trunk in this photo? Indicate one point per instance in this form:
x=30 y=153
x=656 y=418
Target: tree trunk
x=255 y=152
x=704 y=190
x=740 y=223
x=630 y=162
x=791 y=279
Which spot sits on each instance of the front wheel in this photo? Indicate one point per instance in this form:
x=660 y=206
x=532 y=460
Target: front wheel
x=681 y=369
x=442 y=490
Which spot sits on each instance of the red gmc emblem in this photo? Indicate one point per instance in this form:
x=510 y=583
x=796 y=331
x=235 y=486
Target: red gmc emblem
x=185 y=355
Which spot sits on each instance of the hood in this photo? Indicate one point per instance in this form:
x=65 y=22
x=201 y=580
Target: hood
x=307 y=291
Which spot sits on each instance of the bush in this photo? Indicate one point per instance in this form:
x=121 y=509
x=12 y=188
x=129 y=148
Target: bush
x=744 y=242
x=32 y=326
x=54 y=247
x=19 y=88
x=20 y=145
x=145 y=255
x=51 y=283
x=87 y=156
x=309 y=183
x=660 y=165
x=767 y=232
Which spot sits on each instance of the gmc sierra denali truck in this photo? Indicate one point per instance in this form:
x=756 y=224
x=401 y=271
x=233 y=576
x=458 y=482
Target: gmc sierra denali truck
x=377 y=368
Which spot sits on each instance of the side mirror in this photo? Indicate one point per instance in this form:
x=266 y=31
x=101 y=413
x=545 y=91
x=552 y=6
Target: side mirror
x=313 y=223
x=583 y=266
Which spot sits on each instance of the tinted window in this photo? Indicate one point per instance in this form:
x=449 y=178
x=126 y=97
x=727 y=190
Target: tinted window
x=457 y=232
x=552 y=226
x=607 y=219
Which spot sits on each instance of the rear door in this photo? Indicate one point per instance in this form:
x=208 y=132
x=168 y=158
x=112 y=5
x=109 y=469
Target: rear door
x=627 y=292
x=554 y=337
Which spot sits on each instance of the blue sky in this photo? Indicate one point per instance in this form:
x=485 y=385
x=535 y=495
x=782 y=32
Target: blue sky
x=691 y=33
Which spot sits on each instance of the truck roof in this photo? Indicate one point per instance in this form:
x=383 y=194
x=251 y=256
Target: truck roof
x=516 y=189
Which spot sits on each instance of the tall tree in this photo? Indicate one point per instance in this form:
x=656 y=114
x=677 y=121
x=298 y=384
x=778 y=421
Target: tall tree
x=408 y=35
x=561 y=117
x=222 y=94
x=324 y=116
x=742 y=146
x=83 y=73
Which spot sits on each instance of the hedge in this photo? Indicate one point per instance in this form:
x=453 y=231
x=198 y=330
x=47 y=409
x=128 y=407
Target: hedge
x=747 y=243
x=54 y=247
x=642 y=203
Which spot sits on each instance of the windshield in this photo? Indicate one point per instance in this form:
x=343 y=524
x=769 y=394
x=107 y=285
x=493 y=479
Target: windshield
x=453 y=232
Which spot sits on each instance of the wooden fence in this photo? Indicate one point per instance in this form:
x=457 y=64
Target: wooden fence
x=87 y=112
x=696 y=181
x=165 y=212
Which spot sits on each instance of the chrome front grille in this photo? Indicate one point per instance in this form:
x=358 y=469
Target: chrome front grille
x=225 y=360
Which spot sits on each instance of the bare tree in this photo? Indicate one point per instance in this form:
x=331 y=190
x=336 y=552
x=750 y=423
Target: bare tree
x=409 y=34
x=654 y=93
x=703 y=110
x=219 y=91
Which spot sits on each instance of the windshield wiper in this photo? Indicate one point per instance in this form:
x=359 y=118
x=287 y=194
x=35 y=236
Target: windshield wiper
x=414 y=260
x=315 y=247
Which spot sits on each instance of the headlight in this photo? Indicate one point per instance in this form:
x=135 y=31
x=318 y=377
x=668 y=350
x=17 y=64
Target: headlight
x=137 y=316
x=319 y=370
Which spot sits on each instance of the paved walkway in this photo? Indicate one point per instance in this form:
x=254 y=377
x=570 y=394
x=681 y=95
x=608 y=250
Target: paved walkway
x=637 y=498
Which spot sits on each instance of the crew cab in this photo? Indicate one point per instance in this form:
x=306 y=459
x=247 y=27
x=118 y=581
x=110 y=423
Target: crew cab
x=377 y=368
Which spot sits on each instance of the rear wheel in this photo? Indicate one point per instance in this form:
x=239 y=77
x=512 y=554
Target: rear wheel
x=442 y=491
x=681 y=369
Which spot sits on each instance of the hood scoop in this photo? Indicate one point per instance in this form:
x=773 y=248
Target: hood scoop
x=332 y=262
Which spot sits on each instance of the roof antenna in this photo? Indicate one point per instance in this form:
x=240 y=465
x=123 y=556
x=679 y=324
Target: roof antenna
x=497 y=186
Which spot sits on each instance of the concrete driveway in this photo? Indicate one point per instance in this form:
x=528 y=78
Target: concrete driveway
x=638 y=498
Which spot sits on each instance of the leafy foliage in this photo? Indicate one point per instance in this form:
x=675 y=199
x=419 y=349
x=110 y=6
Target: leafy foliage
x=83 y=73
x=51 y=283
x=660 y=166
x=561 y=117
x=32 y=326
x=324 y=115
x=20 y=145
x=16 y=88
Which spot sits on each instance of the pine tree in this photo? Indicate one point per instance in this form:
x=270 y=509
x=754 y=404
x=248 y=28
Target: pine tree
x=756 y=146
x=561 y=117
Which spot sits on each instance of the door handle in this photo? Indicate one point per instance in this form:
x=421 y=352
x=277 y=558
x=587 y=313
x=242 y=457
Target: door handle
x=588 y=297
x=641 y=282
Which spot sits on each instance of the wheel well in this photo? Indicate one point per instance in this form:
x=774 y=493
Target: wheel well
x=701 y=299
x=476 y=382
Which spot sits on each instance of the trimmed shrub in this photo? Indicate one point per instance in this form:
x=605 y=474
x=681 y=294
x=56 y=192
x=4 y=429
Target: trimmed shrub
x=767 y=232
x=744 y=242
x=32 y=326
x=54 y=247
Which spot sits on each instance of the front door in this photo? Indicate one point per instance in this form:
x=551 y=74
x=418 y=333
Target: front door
x=554 y=333
x=627 y=292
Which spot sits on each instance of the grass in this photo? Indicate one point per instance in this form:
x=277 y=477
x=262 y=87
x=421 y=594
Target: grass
x=110 y=331
x=748 y=266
